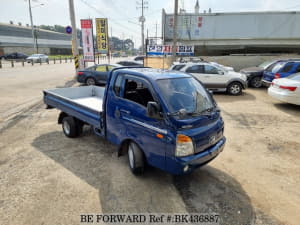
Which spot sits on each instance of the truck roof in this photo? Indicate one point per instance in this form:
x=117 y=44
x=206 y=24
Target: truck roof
x=156 y=74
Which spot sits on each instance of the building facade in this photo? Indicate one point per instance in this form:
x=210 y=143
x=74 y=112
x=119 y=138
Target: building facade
x=15 y=38
x=242 y=32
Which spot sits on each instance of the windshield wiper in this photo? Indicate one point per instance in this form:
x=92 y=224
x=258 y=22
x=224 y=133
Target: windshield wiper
x=207 y=111
x=180 y=112
x=183 y=112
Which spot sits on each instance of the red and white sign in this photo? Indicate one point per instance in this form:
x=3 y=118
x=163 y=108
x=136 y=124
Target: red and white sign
x=87 y=40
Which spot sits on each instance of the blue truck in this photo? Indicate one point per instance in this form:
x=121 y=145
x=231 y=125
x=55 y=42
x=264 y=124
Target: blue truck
x=162 y=118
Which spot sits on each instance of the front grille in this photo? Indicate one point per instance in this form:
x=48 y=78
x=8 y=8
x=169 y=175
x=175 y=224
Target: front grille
x=202 y=143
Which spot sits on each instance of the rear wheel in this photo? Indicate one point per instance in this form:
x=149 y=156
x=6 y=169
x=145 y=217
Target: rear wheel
x=135 y=159
x=234 y=88
x=71 y=127
x=256 y=82
x=90 y=81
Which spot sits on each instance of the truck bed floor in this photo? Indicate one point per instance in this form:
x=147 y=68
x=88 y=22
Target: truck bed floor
x=94 y=103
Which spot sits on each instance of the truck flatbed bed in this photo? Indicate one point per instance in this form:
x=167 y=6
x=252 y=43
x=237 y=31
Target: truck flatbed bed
x=83 y=102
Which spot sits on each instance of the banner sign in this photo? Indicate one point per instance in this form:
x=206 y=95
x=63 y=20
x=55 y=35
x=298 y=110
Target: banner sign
x=102 y=35
x=167 y=50
x=87 y=40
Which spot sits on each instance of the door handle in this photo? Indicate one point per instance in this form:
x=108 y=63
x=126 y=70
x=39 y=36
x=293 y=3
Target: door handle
x=124 y=111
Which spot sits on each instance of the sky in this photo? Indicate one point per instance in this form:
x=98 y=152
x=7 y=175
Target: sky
x=123 y=14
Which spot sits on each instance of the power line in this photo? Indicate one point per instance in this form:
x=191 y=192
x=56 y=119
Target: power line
x=110 y=19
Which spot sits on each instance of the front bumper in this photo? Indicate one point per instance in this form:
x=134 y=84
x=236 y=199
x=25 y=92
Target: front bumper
x=182 y=165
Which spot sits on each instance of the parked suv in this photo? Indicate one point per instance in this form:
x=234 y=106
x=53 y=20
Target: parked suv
x=280 y=70
x=255 y=74
x=217 y=78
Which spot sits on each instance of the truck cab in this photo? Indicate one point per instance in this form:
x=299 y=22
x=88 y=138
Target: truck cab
x=163 y=118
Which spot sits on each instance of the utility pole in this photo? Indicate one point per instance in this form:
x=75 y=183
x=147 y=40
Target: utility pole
x=74 y=34
x=175 y=30
x=112 y=43
x=32 y=28
x=156 y=30
x=142 y=19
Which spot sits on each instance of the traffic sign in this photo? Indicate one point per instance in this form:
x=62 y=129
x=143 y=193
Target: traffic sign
x=69 y=29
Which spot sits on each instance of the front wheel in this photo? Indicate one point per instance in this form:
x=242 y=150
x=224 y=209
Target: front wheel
x=135 y=159
x=234 y=88
x=256 y=82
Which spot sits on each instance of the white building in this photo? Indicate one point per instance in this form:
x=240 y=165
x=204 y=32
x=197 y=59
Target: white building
x=236 y=32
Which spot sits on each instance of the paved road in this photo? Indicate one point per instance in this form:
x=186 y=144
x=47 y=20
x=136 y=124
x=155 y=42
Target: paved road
x=21 y=87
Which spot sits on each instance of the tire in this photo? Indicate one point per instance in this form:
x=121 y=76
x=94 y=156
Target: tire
x=234 y=88
x=256 y=82
x=135 y=159
x=90 y=81
x=70 y=127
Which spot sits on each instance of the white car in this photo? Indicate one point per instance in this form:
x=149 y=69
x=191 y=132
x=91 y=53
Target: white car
x=37 y=58
x=286 y=89
x=215 y=77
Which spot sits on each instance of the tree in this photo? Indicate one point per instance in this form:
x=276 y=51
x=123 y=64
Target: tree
x=117 y=44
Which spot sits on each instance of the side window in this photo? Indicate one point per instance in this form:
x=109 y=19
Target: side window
x=287 y=67
x=137 y=91
x=117 y=85
x=211 y=69
x=110 y=67
x=195 y=69
x=178 y=67
x=298 y=69
x=93 y=68
x=101 y=68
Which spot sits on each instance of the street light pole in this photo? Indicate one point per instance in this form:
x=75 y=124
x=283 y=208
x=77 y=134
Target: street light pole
x=32 y=28
x=175 y=30
x=142 y=19
x=74 y=34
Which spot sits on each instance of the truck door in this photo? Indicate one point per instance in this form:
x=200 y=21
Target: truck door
x=127 y=118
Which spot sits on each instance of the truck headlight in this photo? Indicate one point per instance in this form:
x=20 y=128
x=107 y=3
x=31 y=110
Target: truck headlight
x=184 y=146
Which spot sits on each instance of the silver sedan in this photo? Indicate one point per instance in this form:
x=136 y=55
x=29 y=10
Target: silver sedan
x=37 y=58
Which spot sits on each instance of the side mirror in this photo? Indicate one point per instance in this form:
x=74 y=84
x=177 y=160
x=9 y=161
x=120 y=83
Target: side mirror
x=209 y=91
x=220 y=72
x=153 y=110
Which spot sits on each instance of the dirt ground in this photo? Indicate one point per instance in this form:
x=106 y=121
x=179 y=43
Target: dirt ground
x=46 y=178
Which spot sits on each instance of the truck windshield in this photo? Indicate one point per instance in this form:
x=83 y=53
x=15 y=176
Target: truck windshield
x=185 y=96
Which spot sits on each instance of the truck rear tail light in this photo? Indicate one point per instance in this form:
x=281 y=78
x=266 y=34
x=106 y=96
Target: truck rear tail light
x=80 y=73
x=290 y=88
x=277 y=75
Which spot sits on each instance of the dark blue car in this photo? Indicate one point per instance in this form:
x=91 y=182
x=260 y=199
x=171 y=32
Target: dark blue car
x=280 y=70
x=96 y=74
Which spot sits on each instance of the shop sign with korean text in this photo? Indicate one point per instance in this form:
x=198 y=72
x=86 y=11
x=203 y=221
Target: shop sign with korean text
x=167 y=50
x=87 y=40
x=102 y=35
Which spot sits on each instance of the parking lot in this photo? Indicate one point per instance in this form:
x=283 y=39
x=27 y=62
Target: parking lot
x=46 y=178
